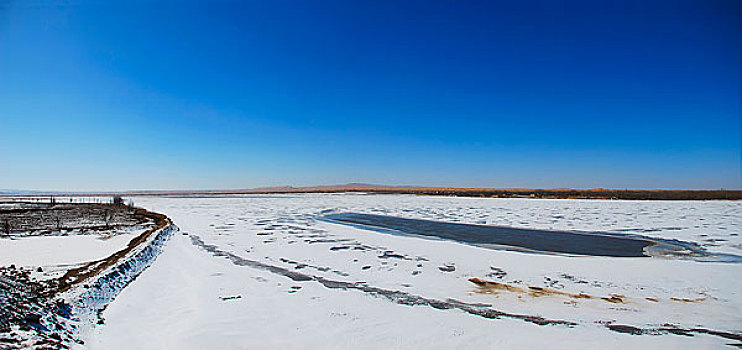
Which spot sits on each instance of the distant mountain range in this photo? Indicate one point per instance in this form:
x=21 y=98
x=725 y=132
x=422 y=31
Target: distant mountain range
x=267 y=189
x=597 y=193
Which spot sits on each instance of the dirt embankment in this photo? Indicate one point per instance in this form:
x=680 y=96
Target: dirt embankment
x=33 y=314
x=80 y=274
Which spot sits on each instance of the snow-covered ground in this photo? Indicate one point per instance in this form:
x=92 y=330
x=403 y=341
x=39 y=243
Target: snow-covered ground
x=52 y=251
x=268 y=271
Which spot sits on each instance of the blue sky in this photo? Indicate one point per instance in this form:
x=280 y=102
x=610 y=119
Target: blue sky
x=210 y=95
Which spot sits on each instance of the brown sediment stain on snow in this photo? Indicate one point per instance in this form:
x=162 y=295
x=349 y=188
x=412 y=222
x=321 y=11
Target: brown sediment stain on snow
x=688 y=300
x=489 y=287
x=492 y=287
x=615 y=298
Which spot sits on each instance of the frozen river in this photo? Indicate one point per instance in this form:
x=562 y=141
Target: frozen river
x=269 y=271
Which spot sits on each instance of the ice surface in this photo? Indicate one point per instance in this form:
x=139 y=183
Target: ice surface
x=543 y=241
x=268 y=271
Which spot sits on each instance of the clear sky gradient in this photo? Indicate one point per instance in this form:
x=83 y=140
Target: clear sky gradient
x=216 y=95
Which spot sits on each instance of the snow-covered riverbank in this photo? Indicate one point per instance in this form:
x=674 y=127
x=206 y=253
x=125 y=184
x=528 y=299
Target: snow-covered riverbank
x=266 y=271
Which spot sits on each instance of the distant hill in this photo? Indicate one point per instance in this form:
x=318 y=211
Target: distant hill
x=18 y=192
x=597 y=193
